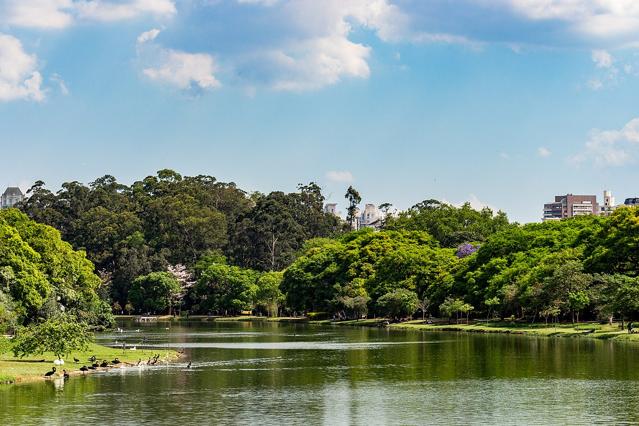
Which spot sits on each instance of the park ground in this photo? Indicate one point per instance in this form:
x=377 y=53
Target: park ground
x=33 y=368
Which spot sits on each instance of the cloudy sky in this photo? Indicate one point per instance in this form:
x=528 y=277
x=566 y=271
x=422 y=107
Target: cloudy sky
x=500 y=102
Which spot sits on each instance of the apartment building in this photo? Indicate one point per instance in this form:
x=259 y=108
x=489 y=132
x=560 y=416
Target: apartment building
x=571 y=205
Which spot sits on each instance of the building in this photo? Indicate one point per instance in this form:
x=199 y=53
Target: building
x=371 y=217
x=608 y=205
x=11 y=196
x=331 y=208
x=570 y=205
x=631 y=202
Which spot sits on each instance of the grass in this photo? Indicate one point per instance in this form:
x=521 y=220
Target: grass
x=16 y=370
x=590 y=330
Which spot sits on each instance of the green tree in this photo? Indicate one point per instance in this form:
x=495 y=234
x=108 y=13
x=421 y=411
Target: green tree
x=60 y=335
x=154 y=292
x=399 y=303
x=268 y=294
x=354 y=199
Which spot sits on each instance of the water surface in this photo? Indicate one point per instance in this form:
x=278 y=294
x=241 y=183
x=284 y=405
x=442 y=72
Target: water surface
x=271 y=373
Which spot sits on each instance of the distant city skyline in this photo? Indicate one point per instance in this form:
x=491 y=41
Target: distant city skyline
x=503 y=103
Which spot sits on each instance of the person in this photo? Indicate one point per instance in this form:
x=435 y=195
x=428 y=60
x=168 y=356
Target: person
x=630 y=327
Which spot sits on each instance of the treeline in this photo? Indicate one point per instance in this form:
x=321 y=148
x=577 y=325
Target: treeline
x=42 y=277
x=167 y=220
x=585 y=267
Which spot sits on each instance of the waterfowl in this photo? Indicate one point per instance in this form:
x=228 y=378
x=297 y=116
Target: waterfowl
x=104 y=363
x=189 y=365
x=84 y=368
x=50 y=373
x=93 y=358
x=139 y=361
x=58 y=361
x=65 y=375
x=76 y=360
x=116 y=361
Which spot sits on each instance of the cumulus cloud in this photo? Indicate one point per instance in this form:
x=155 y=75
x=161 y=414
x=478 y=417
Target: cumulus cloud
x=543 y=152
x=611 y=148
x=57 y=14
x=598 y=18
x=343 y=176
x=186 y=71
x=19 y=75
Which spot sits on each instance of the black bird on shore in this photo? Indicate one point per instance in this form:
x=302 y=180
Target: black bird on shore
x=189 y=366
x=50 y=373
x=65 y=374
x=93 y=358
x=104 y=363
x=84 y=368
x=116 y=361
x=76 y=360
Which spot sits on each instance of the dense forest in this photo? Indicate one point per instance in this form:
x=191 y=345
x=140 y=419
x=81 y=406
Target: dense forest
x=174 y=244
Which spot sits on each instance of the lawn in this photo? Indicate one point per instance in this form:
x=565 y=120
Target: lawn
x=15 y=370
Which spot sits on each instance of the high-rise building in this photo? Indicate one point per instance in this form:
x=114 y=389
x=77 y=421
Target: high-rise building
x=570 y=205
x=11 y=196
x=631 y=202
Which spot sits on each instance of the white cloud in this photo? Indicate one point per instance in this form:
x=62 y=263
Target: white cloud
x=315 y=63
x=543 y=152
x=259 y=2
x=148 y=36
x=46 y=14
x=57 y=14
x=611 y=148
x=19 y=76
x=339 y=176
x=598 y=18
x=186 y=71
x=602 y=58
x=504 y=155
x=116 y=11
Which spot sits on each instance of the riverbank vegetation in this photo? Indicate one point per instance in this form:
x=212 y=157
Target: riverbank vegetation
x=170 y=244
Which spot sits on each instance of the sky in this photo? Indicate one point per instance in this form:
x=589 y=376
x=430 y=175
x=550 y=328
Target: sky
x=503 y=103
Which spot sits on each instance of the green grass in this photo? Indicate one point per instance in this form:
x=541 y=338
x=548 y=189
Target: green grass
x=590 y=330
x=15 y=370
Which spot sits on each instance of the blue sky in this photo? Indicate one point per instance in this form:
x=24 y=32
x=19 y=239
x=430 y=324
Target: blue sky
x=503 y=103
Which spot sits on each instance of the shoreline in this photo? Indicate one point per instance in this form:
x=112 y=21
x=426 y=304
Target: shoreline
x=14 y=371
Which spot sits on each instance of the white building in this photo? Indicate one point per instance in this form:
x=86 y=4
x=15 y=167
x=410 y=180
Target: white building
x=371 y=217
x=608 y=205
x=11 y=196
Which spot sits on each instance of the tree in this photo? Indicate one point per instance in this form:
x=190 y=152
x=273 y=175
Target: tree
x=60 y=335
x=154 y=292
x=454 y=306
x=399 y=303
x=490 y=304
x=268 y=294
x=423 y=306
x=354 y=199
x=226 y=289
x=578 y=300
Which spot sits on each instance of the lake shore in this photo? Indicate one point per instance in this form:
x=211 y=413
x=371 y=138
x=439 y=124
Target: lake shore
x=32 y=369
x=593 y=330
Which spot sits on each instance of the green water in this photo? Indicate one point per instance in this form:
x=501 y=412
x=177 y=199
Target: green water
x=270 y=373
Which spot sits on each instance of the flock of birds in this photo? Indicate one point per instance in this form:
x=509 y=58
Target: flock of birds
x=104 y=364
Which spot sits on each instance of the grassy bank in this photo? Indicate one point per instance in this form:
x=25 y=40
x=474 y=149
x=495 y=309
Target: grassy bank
x=217 y=318
x=588 y=330
x=32 y=368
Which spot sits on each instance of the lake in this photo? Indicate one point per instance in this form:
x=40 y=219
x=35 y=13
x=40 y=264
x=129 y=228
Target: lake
x=276 y=373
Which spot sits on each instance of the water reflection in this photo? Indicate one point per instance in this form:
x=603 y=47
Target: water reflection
x=292 y=374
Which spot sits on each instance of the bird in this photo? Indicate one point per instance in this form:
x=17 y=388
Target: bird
x=50 y=373
x=76 y=360
x=84 y=368
x=65 y=374
x=139 y=361
x=92 y=358
x=189 y=365
x=58 y=361
x=104 y=363
x=116 y=361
